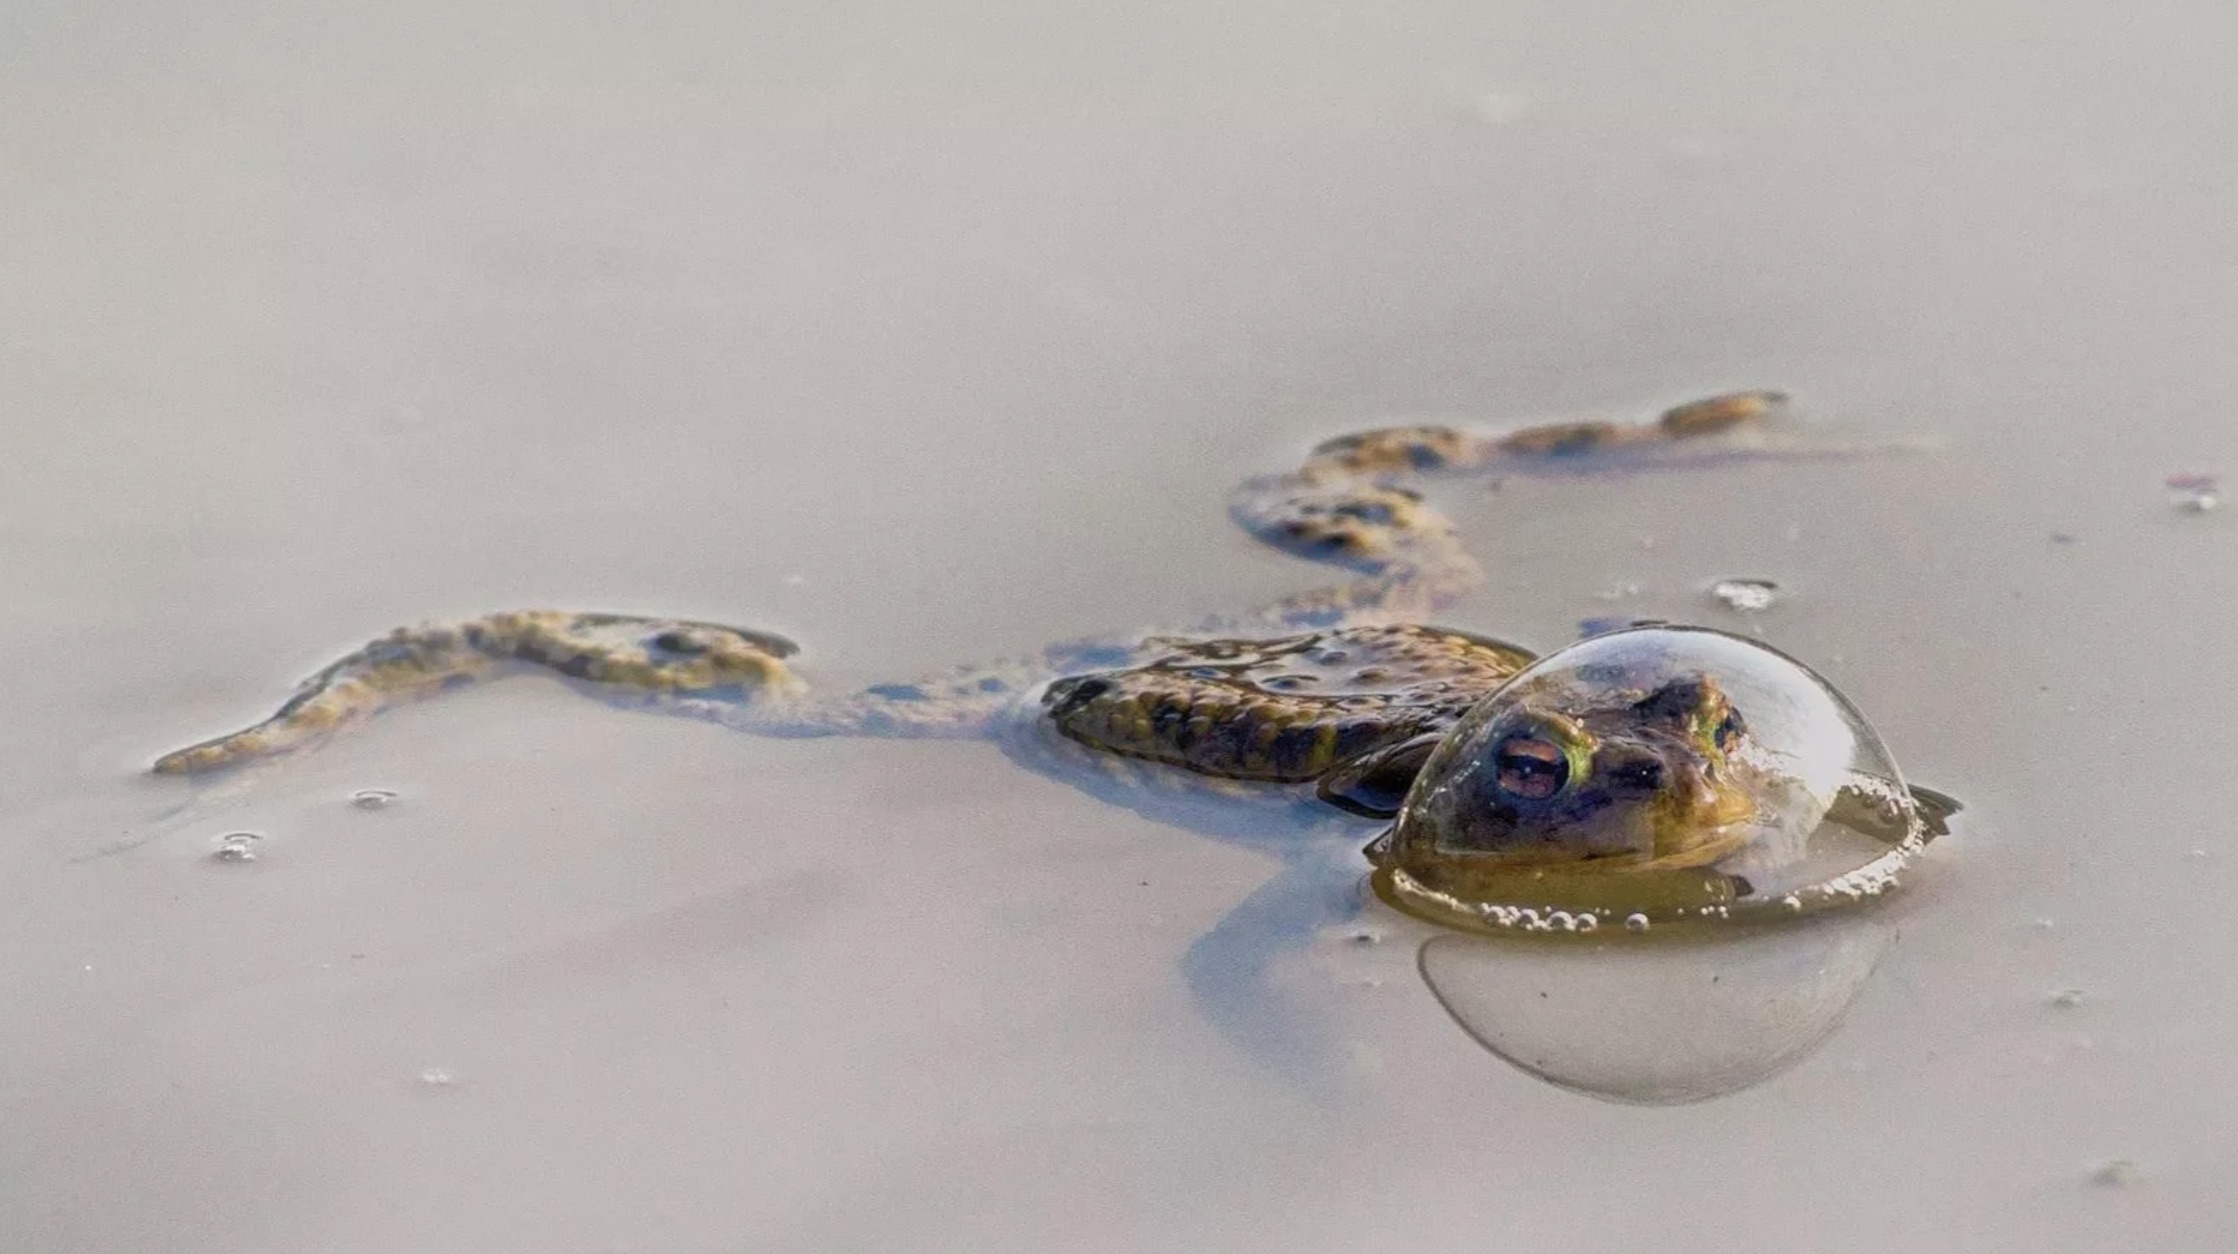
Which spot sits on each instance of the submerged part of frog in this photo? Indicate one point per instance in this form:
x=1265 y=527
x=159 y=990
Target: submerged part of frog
x=1610 y=781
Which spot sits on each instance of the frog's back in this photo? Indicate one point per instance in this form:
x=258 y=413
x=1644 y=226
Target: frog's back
x=1284 y=710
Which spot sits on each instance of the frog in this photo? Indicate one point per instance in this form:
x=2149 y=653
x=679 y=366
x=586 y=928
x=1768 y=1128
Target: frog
x=1334 y=697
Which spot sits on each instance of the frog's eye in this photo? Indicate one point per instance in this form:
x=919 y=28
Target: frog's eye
x=1530 y=766
x=1728 y=730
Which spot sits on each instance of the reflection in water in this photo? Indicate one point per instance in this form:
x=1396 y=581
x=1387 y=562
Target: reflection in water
x=1659 y=1023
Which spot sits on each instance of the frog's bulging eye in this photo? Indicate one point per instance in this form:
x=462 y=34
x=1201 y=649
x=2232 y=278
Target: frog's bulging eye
x=1729 y=730
x=1531 y=767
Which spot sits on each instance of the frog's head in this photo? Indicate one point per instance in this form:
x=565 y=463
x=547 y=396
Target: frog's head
x=1616 y=777
x=1649 y=775
x=1648 y=780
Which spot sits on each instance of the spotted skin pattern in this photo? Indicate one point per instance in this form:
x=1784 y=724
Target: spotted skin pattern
x=1286 y=710
x=1283 y=695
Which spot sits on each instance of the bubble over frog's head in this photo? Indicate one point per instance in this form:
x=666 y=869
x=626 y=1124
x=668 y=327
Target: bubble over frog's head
x=1644 y=780
x=1649 y=774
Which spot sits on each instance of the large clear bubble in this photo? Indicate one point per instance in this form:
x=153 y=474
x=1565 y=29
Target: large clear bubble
x=1650 y=779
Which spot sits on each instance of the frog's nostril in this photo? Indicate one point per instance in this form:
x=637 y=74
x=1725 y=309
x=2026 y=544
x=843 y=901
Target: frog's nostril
x=1639 y=774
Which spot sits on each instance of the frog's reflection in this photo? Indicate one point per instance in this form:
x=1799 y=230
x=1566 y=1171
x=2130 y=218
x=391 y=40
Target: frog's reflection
x=1659 y=1023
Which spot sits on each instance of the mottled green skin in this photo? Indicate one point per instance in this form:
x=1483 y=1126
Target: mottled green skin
x=1320 y=686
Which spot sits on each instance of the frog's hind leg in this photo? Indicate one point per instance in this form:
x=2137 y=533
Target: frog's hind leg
x=651 y=658
x=1349 y=505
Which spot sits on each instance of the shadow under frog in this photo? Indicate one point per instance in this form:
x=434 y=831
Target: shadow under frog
x=1280 y=727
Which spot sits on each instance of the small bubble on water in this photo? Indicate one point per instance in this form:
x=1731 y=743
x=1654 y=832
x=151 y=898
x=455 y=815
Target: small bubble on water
x=1619 y=591
x=1746 y=595
x=2114 y=1172
x=237 y=847
x=373 y=798
x=2196 y=493
x=1365 y=936
x=2066 y=998
x=439 y=1078
x=1635 y=923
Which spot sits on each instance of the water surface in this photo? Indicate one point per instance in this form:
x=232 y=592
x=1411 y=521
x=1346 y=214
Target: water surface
x=924 y=338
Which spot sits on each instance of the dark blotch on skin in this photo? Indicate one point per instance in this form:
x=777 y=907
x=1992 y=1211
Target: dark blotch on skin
x=1293 y=750
x=1166 y=721
x=679 y=642
x=1066 y=697
x=1229 y=739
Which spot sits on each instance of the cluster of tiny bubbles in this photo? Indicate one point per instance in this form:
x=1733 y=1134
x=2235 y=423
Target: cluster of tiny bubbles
x=237 y=847
x=1794 y=804
x=1531 y=919
x=373 y=798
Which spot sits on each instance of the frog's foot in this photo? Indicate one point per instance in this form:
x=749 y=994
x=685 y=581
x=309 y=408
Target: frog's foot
x=655 y=658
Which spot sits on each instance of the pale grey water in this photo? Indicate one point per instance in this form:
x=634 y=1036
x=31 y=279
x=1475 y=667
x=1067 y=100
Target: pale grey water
x=930 y=333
